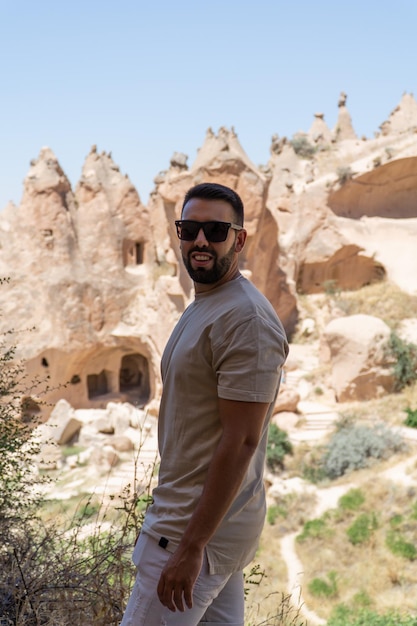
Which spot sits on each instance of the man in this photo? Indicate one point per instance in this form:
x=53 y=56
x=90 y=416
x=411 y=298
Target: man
x=221 y=370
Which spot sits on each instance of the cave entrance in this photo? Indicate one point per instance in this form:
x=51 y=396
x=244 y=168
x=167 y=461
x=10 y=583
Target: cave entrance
x=134 y=378
x=97 y=384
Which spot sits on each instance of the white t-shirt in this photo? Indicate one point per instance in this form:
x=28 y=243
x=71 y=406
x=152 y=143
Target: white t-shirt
x=229 y=343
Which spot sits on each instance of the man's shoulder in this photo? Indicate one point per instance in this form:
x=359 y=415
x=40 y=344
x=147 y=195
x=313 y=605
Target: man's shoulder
x=242 y=303
x=248 y=296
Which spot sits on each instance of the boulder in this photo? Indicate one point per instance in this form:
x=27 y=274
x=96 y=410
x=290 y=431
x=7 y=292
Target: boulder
x=286 y=420
x=121 y=443
x=287 y=400
x=120 y=416
x=89 y=436
x=104 y=425
x=62 y=425
x=105 y=457
x=360 y=367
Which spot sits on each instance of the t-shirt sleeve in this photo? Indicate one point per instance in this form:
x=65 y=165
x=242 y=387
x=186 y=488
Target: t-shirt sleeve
x=248 y=361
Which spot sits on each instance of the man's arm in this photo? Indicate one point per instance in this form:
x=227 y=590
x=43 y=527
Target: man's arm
x=242 y=426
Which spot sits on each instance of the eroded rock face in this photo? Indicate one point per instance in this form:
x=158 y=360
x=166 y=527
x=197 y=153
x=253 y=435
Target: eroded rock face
x=318 y=200
x=84 y=272
x=99 y=275
x=360 y=366
x=347 y=268
x=222 y=159
x=389 y=190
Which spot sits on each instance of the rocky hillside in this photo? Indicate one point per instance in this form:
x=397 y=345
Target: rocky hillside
x=98 y=276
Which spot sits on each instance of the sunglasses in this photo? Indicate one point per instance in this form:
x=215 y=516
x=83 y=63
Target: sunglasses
x=216 y=232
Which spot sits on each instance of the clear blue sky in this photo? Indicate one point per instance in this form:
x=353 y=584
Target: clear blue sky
x=143 y=79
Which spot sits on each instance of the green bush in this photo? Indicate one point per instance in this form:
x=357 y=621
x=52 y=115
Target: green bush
x=353 y=447
x=404 y=355
x=345 y=616
x=314 y=472
x=362 y=528
x=396 y=520
x=278 y=446
x=314 y=529
x=362 y=598
x=411 y=419
x=274 y=512
x=352 y=500
x=320 y=587
x=400 y=546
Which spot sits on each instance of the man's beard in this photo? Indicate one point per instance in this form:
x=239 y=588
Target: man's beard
x=209 y=276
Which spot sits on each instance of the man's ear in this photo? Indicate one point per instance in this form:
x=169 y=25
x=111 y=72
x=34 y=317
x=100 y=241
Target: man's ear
x=240 y=240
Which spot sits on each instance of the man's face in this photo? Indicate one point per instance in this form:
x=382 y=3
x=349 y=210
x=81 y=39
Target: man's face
x=208 y=263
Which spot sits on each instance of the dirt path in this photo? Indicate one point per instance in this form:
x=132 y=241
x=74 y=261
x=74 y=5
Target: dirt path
x=295 y=578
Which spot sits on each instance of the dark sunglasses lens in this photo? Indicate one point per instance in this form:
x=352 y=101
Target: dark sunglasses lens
x=187 y=231
x=216 y=231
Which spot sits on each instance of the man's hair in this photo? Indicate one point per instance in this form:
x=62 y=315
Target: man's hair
x=214 y=191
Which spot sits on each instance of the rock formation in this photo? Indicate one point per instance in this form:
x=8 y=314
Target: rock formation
x=83 y=269
x=319 y=132
x=99 y=275
x=403 y=118
x=360 y=369
x=222 y=159
x=343 y=129
x=310 y=193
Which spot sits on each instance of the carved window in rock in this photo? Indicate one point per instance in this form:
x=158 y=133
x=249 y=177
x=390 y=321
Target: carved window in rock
x=97 y=384
x=134 y=378
x=133 y=252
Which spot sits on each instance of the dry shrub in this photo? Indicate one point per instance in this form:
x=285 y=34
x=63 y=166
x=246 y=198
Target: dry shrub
x=74 y=570
x=282 y=611
x=383 y=299
x=388 y=409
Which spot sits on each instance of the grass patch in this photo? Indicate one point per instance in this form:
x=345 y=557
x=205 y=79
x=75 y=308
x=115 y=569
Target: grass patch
x=352 y=500
x=362 y=528
x=320 y=587
x=372 y=553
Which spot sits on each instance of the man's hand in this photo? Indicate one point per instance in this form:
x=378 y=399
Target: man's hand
x=178 y=577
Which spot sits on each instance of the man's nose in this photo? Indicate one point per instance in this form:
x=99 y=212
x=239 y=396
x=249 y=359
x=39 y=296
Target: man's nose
x=201 y=239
